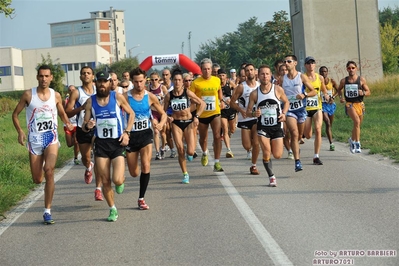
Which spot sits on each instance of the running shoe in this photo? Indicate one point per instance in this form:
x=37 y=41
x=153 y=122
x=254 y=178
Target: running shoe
x=98 y=195
x=358 y=148
x=142 y=205
x=76 y=161
x=229 y=154
x=186 y=178
x=290 y=155
x=166 y=147
x=172 y=154
x=89 y=174
x=217 y=167
x=351 y=145
x=162 y=154
x=47 y=218
x=317 y=161
x=332 y=147
x=119 y=189
x=249 y=155
x=113 y=215
x=298 y=166
x=302 y=141
x=195 y=155
x=253 y=170
x=204 y=160
x=157 y=156
x=273 y=182
x=189 y=158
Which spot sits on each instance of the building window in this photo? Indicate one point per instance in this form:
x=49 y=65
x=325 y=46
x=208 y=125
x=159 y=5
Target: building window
x=69 y=67
x=116 y=16
x=104 y=14
x=118 y=40
x=5 y=71
x=117 y=28
x=18 y=71
x=76 y=66
x=123 y=32
x=124 y=44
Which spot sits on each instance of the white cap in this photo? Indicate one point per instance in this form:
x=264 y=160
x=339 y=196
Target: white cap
x=232 y=70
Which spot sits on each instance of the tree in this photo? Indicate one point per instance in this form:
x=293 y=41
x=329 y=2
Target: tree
x=389 y=37
x=5 y=8
x=252 y=42
x=389 y=14
x=58 y=74
x=120 y=66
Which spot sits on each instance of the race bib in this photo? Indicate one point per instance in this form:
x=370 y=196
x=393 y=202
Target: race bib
x=295 y=103
x=210 y=102
x=351 y=91
x=107 y=128
x=141 y=125
x=43 y=123
x=269 y=117
x=178 y=104
x=312 y=101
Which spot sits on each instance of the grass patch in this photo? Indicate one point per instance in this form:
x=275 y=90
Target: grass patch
x=15 y=176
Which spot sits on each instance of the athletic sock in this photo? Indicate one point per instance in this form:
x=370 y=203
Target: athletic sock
x=47 y=211
x=144 y=180
x=268 y=166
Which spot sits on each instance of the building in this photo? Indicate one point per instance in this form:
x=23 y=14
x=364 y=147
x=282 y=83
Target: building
x=18 y=67
x=334 y=32
x=104 y=28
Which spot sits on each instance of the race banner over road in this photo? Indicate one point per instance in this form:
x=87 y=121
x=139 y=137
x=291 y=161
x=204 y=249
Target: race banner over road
x=170 y=59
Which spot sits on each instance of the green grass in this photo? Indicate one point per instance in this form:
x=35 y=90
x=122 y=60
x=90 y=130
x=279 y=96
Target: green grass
x=15 y=177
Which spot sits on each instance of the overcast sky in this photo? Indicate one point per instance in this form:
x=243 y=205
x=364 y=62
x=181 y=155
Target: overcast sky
x=159 y=27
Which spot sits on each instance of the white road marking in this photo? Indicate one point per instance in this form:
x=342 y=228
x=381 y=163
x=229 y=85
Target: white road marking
x=14 y=214
x=271 y=247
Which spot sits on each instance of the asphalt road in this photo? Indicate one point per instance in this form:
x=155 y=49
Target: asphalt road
x=349 y=204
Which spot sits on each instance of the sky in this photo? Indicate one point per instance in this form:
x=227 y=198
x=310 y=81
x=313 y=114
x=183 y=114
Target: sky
x=158 y=27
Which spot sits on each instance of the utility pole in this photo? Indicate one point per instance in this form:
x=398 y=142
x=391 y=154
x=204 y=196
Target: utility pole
x=189 y=43
x=182 y=47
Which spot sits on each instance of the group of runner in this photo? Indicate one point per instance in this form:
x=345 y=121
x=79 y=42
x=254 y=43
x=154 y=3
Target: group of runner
x=121 y=118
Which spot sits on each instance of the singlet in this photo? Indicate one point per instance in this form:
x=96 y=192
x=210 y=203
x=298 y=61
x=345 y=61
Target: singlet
x=243 y=101
x=330 y=90
x=226 y=90
x=293 y=87
x=109 y=121
x=314 y=102
x=351 y=91
x=207 y=90
x=41 y=116
x=83 y=96
x=158 y=92
x=270 y=108
x=72 y=119
x=179 y=103
x=141 y=108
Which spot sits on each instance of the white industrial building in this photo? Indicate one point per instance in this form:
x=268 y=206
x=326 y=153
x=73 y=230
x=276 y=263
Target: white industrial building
x=97 y=40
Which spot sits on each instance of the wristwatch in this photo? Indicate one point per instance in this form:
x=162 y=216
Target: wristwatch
x=305 y=93
x=197 y=116
x=127 y=132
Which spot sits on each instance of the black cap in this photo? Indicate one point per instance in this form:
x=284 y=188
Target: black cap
x=221 y=71
x=309 y=58
x=104 y=75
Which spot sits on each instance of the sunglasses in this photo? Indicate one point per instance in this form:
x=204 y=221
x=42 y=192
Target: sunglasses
x=310 y=63
x=288 y=61
x=154 y=79
x=188 y=80
x=127 y=86
x=165 y=74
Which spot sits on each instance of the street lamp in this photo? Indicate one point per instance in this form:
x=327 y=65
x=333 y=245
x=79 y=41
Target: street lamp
x=130 y=50
x=142 y=52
